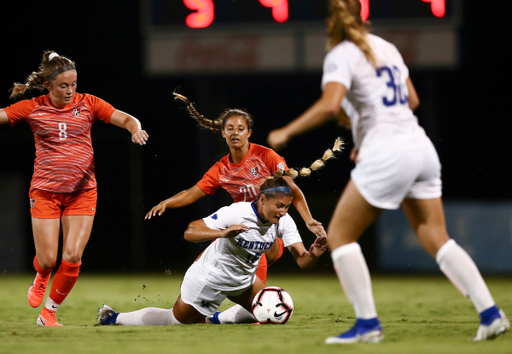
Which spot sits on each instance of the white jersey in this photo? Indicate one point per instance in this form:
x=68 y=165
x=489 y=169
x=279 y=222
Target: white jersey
x=230 y=264
x=374 y=95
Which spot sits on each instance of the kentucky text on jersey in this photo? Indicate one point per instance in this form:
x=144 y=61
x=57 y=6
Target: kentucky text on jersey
x=253 y=245
x=229 y=264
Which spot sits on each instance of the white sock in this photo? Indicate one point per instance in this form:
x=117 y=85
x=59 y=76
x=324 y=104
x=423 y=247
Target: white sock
x=460 y=269
x=236 y=314
x=150 y=316
x=51 y=305
x=354 y=277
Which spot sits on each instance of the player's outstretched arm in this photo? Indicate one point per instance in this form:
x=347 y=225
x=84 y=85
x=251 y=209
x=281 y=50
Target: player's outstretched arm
x=179 y=200
x=320 y=112
x=132 y=124
x=4 y=119
x=299 y=201
x=307 y=259
x=197 y=231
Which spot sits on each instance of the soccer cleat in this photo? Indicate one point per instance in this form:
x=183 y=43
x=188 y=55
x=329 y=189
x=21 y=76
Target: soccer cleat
x=47 y=318
x=367 y=331
x=213 y=319
x=496 y=324
x=37 y=290
x=107 y=316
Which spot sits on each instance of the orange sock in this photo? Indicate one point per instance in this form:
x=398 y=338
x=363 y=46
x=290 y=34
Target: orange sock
x=64 y=280
x=261 y=272
x=44 y=272
x=281 y=250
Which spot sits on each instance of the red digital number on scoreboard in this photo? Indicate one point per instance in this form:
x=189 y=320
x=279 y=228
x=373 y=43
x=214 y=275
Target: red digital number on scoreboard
x=438 y=7
x=279 y=9
x=204 y=15
x=365 y=9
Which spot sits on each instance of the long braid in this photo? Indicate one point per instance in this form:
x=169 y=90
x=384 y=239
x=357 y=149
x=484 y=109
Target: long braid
x=306 y=171
x=213 y=125
x=218 y=124
x=210 y=124
x=346 y=23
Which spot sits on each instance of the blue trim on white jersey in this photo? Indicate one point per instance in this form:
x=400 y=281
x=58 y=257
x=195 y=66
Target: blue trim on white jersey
x=253 y=204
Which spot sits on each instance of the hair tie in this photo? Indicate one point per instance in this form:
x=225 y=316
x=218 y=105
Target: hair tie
x=53 y=55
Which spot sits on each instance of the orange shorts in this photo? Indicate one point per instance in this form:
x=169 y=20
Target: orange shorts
x=49 y=205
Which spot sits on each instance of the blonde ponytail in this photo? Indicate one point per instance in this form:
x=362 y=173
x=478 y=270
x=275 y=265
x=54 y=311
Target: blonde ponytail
x=345 y=23
x=50 y=63
x=306 y=171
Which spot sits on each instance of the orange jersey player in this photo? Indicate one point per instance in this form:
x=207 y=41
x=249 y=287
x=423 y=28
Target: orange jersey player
x=63 y=188
x=64 y=156
x=240 y=173
x=242 y=180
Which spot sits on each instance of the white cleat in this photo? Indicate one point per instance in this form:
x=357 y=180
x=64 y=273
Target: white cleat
x=497 y=327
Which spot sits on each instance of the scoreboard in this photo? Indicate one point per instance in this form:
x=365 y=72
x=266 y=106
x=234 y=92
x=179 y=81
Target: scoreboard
x=197 y=37
x=204 y=14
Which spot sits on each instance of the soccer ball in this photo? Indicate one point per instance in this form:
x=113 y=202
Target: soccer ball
x=272 y=305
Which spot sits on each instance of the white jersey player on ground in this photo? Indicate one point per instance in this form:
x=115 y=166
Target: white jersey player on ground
x=396 y=164
x=227 y=268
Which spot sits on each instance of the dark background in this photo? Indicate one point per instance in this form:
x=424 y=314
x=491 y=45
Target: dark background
x=465 y=111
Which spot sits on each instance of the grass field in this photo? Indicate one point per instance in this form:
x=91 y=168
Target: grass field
x=419 y=315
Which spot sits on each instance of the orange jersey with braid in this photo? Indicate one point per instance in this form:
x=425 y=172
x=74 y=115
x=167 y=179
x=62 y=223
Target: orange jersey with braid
x=64 y=156
x=243 y=180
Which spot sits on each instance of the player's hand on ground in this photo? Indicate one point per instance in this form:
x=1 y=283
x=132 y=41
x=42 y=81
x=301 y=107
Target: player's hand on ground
x=277 y=139
x=316 y=227
x=318 y=247
x=157 y=210
x=234 y=230
x=140 y=137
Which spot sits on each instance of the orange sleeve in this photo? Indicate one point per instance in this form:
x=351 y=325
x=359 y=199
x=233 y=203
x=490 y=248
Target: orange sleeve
x=101 y=109
x=20 y=111
x=210 y=181
x=273 y=161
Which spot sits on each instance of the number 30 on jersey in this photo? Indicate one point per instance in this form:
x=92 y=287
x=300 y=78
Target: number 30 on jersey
x=397 y=94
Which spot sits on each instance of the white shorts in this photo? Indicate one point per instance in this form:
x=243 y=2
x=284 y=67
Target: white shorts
x=201 y=296
x=395 y=164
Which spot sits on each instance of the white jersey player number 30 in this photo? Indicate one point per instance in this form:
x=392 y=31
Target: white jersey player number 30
x=395 y=84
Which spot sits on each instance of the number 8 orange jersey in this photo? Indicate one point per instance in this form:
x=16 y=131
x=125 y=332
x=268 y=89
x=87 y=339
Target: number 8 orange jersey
x=64 y=156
